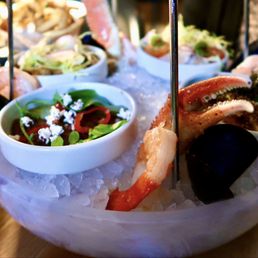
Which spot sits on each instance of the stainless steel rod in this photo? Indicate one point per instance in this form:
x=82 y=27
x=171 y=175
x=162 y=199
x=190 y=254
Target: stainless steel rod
x=10 y=47
x=246 y=22
x=173 y=20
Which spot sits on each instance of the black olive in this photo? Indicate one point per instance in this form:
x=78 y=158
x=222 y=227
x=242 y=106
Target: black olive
x=217 y=158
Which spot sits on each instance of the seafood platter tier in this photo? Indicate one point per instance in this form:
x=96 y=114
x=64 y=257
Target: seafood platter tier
x=83 y=163
x=78 y=211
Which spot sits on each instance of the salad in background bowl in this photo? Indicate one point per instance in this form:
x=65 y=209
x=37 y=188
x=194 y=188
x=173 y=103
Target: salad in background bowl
x=36 y=20
x=199 y=51
x=67 y=130
x=64 y=60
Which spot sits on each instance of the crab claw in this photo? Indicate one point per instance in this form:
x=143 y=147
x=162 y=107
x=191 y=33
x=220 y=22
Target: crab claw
x=195 y=112
x=158 y=148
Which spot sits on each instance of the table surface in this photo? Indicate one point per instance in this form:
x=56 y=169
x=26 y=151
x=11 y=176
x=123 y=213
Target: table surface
x=17 y=242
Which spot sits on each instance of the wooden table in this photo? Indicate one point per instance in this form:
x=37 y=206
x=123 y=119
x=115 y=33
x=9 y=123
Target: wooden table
x=17 y=242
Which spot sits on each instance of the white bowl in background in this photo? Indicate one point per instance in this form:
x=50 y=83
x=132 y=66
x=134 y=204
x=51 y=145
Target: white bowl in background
x=161 y=68
x=95 y=73
x=71 y=158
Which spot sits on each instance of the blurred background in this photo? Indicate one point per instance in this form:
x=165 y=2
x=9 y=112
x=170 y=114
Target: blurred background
x=222 y=17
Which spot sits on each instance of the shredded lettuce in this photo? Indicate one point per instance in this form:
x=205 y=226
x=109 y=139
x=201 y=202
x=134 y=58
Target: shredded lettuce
x=191 y=36
x=104 y=129
x=198 y=40
x=42 y=59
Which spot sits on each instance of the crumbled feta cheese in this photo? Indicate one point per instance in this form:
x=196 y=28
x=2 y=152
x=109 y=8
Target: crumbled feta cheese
x=56 y=129
x=124 y=114
x=44 y=134
x=49 y=119
x=27 y=121
x=55 y=114
x=77 y=105
x=69 y=116
x=50 y=133
x=67 y=99
x=53 y=137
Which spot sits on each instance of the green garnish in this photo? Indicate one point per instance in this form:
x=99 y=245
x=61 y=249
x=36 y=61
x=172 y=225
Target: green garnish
x=22 y=111
x=156 y=40
x=39 y=110
x=201 y=48
x=57 y=98
x=74 y=137
x=192 y=36
x=90 y=97
x=58 y=141
x=101 y=130
x=28 y=137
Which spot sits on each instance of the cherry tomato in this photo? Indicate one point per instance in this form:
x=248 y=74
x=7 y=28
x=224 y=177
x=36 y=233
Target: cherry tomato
x=34 y=129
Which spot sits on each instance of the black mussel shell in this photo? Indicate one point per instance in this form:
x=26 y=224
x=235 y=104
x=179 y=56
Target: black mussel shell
x=3 y=60
x=217 y=158
x=3 y=101
x=89 y=40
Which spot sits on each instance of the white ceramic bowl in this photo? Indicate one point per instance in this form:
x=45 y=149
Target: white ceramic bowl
x=161 y=68
x=71 y=158
x=95 y=73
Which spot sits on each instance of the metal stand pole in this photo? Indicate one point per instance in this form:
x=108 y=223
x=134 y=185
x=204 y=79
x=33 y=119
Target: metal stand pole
x=246 y=22
x=173 y=20
x=10 y=47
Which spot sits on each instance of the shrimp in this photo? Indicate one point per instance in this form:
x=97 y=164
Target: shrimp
x=157 y=151
x=23 y=82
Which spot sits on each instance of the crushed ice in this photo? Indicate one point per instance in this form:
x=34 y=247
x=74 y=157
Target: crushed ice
x=91 y=188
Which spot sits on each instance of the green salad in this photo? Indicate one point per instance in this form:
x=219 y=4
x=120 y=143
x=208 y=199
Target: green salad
x=75 y=117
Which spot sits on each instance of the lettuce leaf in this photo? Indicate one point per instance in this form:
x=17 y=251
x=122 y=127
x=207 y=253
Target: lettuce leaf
x=104 y=129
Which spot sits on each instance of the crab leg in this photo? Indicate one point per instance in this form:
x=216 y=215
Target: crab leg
x=158 y=149
x=193 y=119
x=156 y=154
x=102 y=26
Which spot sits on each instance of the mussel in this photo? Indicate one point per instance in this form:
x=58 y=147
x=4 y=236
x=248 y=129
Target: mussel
x=217 y=158
x=3 y=101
